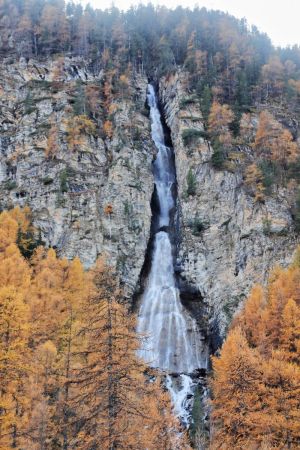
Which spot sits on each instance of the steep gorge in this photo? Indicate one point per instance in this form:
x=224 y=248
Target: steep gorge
x=173 y=341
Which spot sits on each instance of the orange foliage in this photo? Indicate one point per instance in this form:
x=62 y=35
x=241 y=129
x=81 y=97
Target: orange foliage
x=108 y=209
x=52 y=142
x=108 y=129
x=218 y=122
x=256 y=382
x=274 y=141
x=68 y=366
x=253 y=179
x=76 y=129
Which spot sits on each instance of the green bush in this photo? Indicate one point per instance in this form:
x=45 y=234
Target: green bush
x=191 y=183
x=218 y=156
x=296 y=213
x=190 y=134
x=63 y=178
x=197 y=226
x=10 y=185
x=294 y=170
x=267 y=226
x=188 y=100
x=270 y=174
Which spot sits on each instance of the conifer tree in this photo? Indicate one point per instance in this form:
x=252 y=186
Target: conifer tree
x=260 y=408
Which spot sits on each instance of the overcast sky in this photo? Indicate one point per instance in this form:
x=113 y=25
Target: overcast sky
x=280 y=19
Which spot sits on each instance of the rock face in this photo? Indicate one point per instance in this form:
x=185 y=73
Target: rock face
x=88 y=202
x=228 y=242
x=95 y=200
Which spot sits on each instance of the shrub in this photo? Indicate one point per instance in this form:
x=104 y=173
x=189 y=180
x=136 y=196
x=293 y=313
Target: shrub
x=269 y=171
x=294 y=170
x=218 y=156
x=63 y=177
x=191 y=183
x=188 y=100
x=197 y=226
x=10 y=185
x=296 y=213
x=267 y=226
x=190 y=134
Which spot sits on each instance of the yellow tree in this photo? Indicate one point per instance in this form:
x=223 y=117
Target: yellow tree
x=238 y=393
x=77 y=128
x=273 y=75
x=41 y=430
x=250 y=318
x=274 y=141
x=8 y=230
x=219 y=120
x=47 y=305
x=76 y=289
x=254 y=180
x=264 y=335
x=114 y=407
x=52 y=142
x=289 y=340
x=14 y=354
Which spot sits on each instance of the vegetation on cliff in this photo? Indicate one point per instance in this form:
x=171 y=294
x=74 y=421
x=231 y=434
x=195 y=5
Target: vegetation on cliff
x=233 y=75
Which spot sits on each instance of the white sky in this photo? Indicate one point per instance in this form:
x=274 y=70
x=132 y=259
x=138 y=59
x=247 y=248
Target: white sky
x=280 y=19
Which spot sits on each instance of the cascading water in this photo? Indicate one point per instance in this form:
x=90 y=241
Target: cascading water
x=173 y=342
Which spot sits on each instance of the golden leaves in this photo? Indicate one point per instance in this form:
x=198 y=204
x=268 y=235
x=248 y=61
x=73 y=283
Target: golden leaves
x=256 y=381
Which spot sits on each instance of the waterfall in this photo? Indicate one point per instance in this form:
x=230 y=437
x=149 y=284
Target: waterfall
x=172 y=340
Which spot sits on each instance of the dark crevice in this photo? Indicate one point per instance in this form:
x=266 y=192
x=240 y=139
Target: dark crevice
x=190 y=296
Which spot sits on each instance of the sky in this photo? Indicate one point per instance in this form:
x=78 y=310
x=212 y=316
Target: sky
x=278 y=18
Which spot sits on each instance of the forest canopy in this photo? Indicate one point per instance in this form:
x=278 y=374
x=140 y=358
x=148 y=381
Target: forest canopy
x=154 y=39
x=256 y=379
x=70 y=377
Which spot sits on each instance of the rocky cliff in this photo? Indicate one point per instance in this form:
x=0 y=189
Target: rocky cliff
x=227 y=241
x=95 y=199
x=87 y=201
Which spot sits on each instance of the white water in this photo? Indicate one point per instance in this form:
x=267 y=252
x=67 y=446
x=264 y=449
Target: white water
x=172 y=339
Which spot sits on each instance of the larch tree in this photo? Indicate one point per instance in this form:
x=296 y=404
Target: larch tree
x=219 y=120
x=14 y=334
x=76 y=288
x=273 y=76
x=238 y=393
x=41 y=431
x=275 y=142
x=114 y=406
x=254 y=181
x=289 y=340
x=52 y=142
x=260 y=408
x=14 y=353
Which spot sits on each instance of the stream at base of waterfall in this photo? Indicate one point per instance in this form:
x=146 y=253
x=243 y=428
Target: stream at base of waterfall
x=173 y=342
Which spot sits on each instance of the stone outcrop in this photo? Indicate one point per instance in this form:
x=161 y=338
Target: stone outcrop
x=228 y=242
